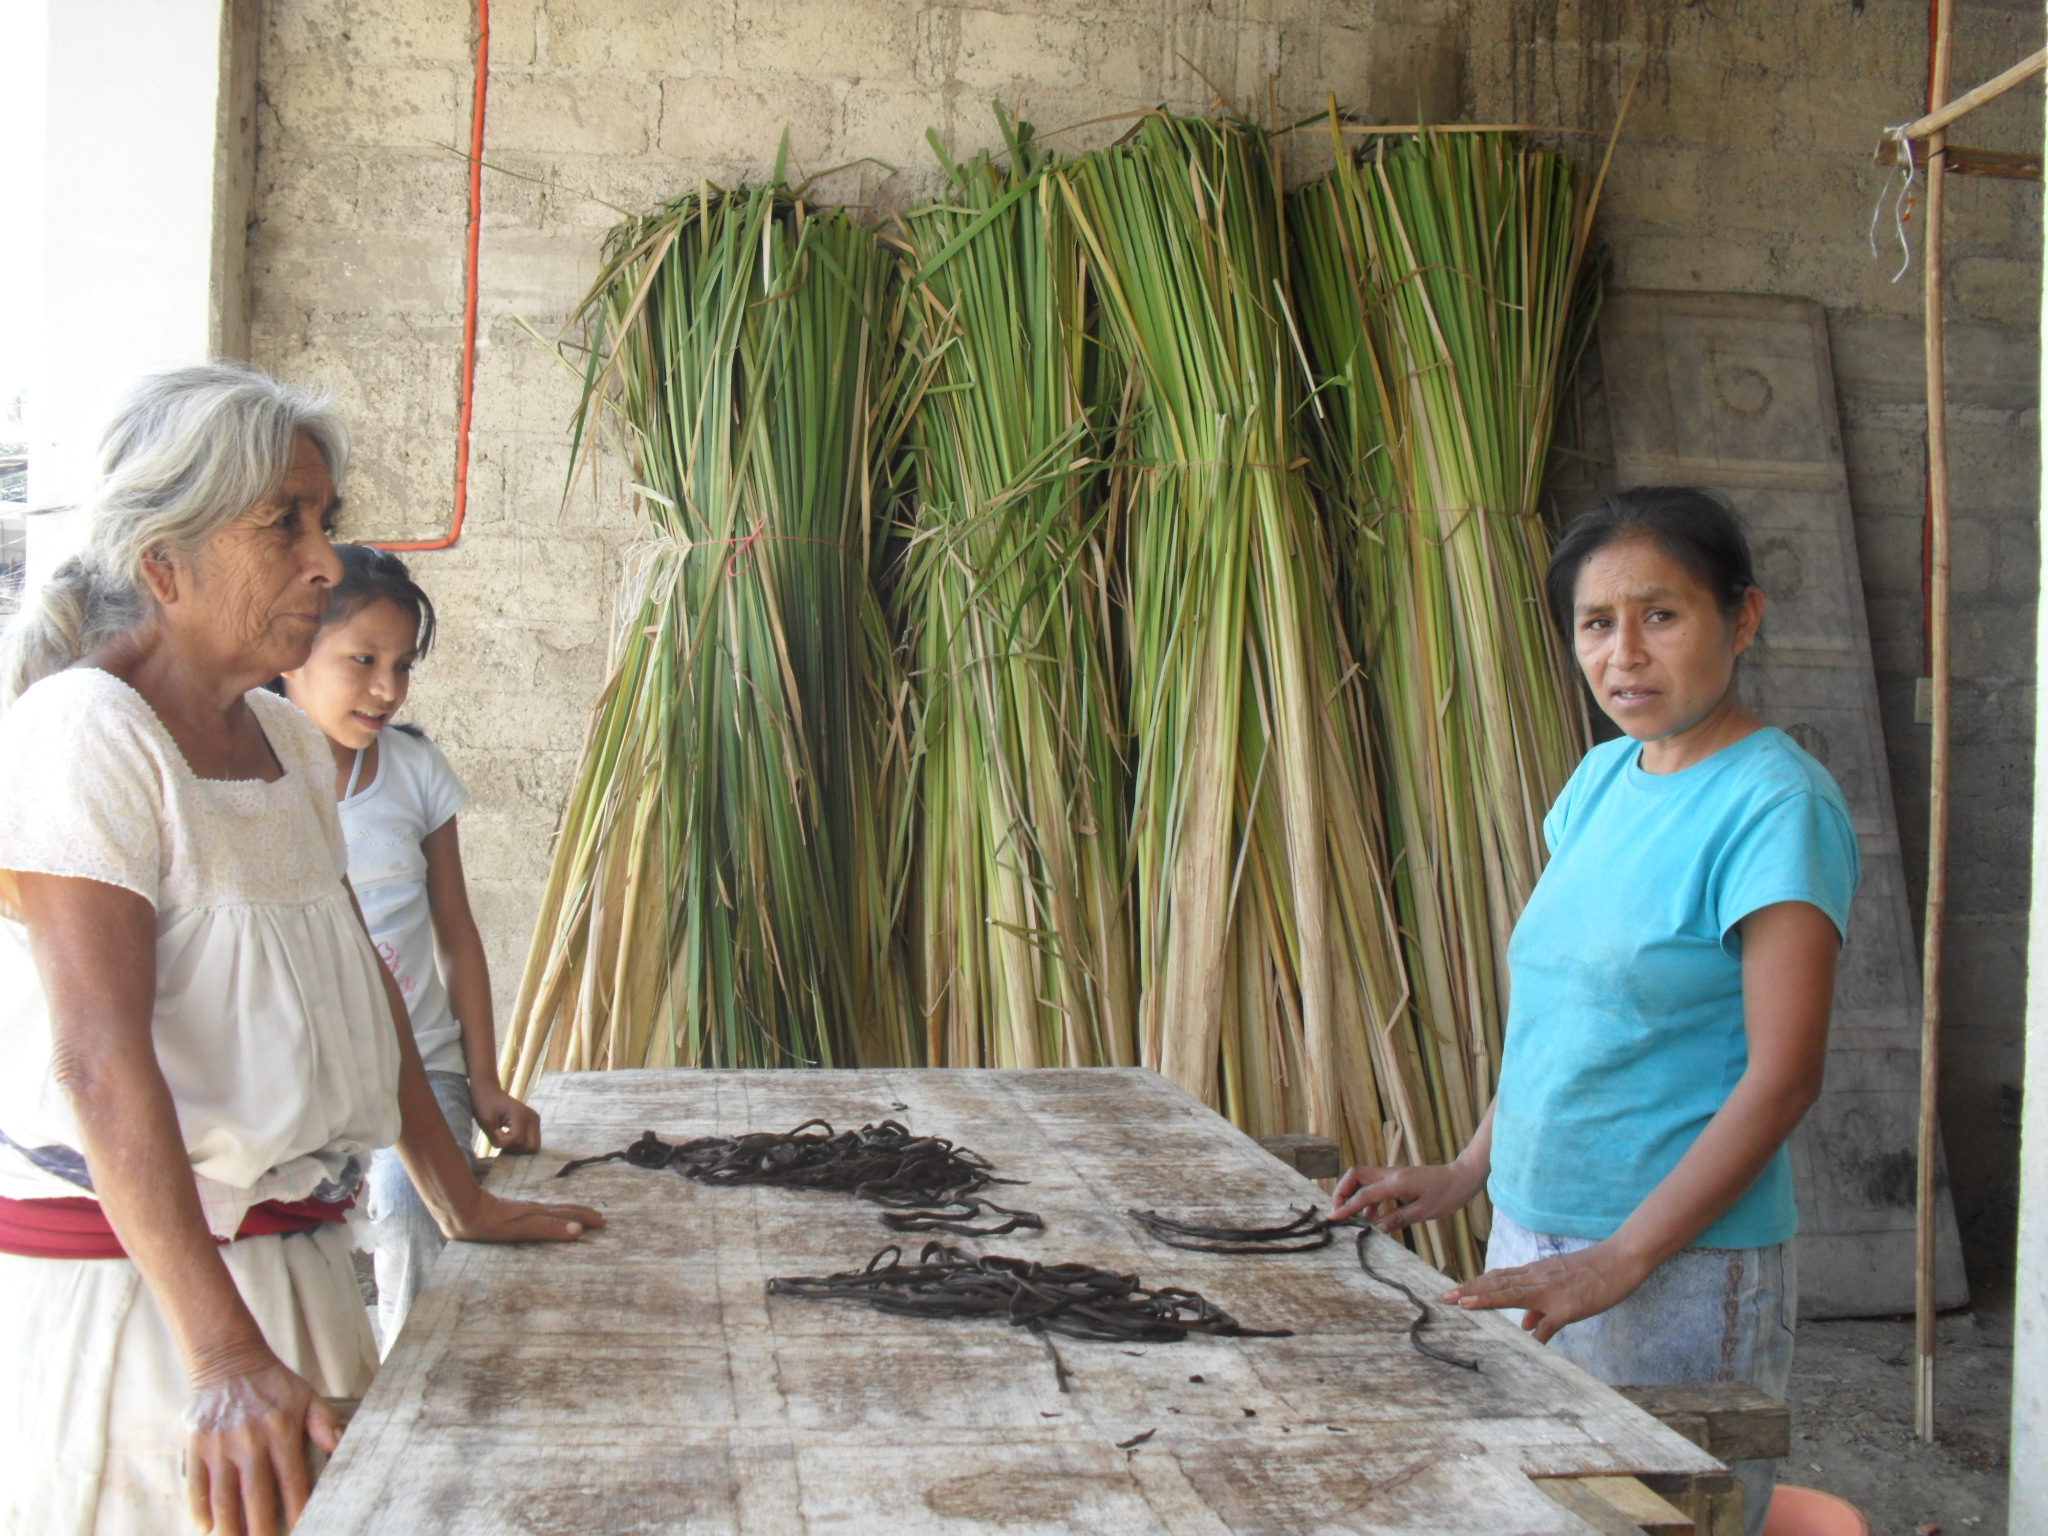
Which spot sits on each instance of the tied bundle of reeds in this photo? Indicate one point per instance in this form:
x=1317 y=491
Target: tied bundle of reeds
x=1439 y=281
x=1018 y=910
x=1270 y=972
x=723 y=879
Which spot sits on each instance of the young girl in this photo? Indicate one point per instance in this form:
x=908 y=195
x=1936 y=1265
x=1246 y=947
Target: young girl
x=1673 y=975
x=398 y=798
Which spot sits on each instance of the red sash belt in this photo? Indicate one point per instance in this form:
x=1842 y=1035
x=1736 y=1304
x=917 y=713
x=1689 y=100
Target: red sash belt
x=73 y=1227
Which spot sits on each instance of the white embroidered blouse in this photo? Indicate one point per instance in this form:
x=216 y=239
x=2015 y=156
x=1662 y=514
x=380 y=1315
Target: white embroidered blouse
x=272 y=1026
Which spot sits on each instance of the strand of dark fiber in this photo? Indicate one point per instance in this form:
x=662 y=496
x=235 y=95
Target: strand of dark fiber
x=1303 y=1232
x=928 y=1183
x=1074 y=1300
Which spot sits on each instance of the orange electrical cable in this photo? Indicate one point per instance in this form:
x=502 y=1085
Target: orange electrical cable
x=469 y=285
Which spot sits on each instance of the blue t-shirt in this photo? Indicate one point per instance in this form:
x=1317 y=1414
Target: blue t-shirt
x=1625 y=1026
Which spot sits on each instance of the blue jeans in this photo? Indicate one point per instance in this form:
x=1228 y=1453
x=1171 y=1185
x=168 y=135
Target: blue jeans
x=395 y=1228
x=1705 y=1314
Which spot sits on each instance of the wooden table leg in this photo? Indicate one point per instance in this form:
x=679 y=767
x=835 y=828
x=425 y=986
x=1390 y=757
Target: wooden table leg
x=1621 y=1506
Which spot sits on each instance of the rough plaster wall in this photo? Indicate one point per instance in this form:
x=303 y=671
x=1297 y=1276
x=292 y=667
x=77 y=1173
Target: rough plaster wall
x=1745 y=166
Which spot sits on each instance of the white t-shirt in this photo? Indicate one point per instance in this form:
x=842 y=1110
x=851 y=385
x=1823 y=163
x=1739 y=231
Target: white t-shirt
x=271 y=1025
x=415 y=792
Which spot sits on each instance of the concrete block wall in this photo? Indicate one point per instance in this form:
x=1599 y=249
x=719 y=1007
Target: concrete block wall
x=1744 y=165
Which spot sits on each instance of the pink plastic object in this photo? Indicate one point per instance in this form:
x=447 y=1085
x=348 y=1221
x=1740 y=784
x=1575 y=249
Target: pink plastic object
x=1799 y=1511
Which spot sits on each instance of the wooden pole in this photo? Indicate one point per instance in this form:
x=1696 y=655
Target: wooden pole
x=1970 y=101
x=1938 y=668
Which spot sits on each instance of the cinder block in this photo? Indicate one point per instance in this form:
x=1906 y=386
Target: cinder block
x=1416 y=73
x=998 y=48
x=382 y=378
x=1697 y=97
x=316 y=102
x=533 y=472
x=1885 y=452
x=709 y=120
x=1998 y=288
x=520 y=388
x=647 y=38
x=1654 y=185
x=1686 y=261
x=887 y=124
x=319 y=187
x=2017 y=568
x=1126 y=62
x=363 y=275
x=1878 y=358
x=408 y=191
x=1985 y=216
x=588 y=194
x=822 y=39
x=1881 y=42
x=1971 y=545
x=602 y=115
x=376 y=31
x=1993 y=637
x=501 y=838
x=1888 y=551
x=1994 y=365
x=1207 y=53
x=1753 y=195
x=541 y=277
x=1994 y=464
x=505 y=911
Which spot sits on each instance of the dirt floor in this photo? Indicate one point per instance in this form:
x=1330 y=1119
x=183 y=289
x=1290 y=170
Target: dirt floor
x=1852 y=1422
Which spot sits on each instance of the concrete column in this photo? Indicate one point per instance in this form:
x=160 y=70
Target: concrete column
x=2028 y=1513
x=149 y=161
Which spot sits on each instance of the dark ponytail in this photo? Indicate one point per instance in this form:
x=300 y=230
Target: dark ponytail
x=1690 y=526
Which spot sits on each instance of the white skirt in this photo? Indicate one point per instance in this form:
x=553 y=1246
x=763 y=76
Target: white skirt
x=92 y=1432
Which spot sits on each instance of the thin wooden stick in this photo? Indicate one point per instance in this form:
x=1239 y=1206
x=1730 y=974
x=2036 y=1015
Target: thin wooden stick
x=1927 y=127
x=1938 y=764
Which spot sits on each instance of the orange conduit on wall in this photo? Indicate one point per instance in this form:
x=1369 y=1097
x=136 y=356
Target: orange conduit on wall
x=476 y=215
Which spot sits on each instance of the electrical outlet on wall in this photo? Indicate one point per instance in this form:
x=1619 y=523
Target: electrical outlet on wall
x=1923 y=701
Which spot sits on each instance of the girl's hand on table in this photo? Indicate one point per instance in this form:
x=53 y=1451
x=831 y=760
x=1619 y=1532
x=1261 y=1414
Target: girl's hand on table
x=1420 y=1193
x=1556 y=1291
x=511 y=1125
x=245 y=1464
x=492 y=1220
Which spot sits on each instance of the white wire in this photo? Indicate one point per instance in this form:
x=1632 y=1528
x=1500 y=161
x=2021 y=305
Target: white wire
x=1900 y=201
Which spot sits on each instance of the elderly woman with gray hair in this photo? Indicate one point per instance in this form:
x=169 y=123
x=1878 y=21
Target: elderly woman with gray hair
x=198 y=1046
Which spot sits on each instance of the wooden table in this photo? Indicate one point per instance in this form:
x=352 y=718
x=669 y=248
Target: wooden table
x=643 y=1381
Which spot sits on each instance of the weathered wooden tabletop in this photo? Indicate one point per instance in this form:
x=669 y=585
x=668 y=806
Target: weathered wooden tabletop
x=643 y=1380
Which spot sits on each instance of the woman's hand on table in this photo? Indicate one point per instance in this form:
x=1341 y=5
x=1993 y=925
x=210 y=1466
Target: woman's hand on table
x=1555 y=1291
x=511 y=1125
x=1420 y=1193
x=489 y=1219
x=249 y=1419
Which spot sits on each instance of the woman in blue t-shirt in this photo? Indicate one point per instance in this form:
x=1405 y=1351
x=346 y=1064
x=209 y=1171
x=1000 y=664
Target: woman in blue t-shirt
x=1671 y=981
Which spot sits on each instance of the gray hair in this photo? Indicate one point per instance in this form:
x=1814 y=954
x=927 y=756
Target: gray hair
x=188 y=451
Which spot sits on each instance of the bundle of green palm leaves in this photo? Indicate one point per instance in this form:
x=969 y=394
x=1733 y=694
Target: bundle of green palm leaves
x=724 y=876
x=1018 y=909
x=1439 y=286
x=1270 y=973
x=1100 y=783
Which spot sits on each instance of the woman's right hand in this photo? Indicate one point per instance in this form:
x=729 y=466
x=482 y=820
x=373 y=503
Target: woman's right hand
x=246 y=1471
x=1419 y=1193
